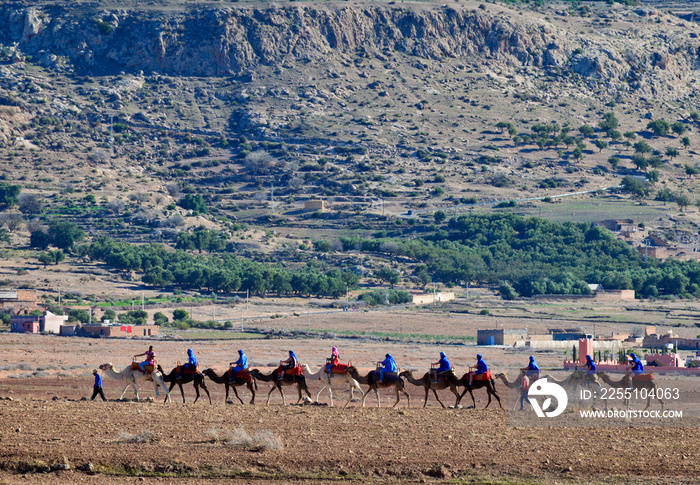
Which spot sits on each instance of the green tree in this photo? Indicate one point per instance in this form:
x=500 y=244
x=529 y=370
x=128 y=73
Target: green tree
x=64 y=235
x=672 y=152
x=642 y=147
x=609 y=122
x=630 y=135
x=664 y=195
x=635 y=186
x=577 y=153
x=659 y=127
x=195 y=203
x=679 y=128
x=387 y=274
x=109 y=315
x=691 y=170
x=9 y=195
x=439 y=216
x=653 y=176
x=614 y=162
x=159 y=318
x=682 y=201
x=179 y=315
x=586 y=130
x=640 y=162
x=685 y=141
x=600 y=144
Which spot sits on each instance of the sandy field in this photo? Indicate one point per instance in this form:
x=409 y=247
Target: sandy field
x=50 y=435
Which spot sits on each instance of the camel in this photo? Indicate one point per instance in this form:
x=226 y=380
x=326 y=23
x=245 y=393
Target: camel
x=134 y=376
x=648 y=384
x=237 y=382
x=287 y=380
x=510 y=385
x=374 y=384
x=328 y=380
x=445 y=380
x=197 y=379
x=478 y=384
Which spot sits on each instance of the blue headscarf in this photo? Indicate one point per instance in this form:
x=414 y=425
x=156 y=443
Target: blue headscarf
x=478 y=356
x=532 y=359
x=589 y=358
x=442 y=354
x=292 y=354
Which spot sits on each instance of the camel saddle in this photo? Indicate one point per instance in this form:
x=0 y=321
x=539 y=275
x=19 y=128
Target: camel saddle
x=486 y=376
x=294 y=371
x=388 y=376
x=183 y=369
x=241 y=374
x=339 y=369
x=642 y=378
x=149 y=368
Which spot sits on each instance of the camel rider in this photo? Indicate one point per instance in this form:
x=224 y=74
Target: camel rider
x=150 y=359
x=532 y=370
x=591 y=374
x=388 y=366
x=480 y=368
x=443 y=365
x=637 y=368
x=333 y=361
x=240 y=365
x=290 y=363
x=191 y=361
x=191 y=364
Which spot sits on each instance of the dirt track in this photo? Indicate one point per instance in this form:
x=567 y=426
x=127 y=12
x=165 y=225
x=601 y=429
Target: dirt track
x=320 y=443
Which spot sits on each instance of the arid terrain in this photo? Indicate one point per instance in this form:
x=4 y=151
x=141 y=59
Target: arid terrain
x=46 y=425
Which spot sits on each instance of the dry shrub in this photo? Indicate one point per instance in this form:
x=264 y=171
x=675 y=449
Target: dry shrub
x=144 y=436
x=239 y=438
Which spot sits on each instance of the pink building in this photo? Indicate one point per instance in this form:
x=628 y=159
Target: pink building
x=48 y=323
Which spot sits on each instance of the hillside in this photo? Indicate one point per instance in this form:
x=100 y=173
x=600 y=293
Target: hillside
x=138 y=121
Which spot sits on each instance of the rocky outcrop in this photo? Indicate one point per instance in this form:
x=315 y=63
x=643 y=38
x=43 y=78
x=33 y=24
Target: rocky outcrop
x=221 y=41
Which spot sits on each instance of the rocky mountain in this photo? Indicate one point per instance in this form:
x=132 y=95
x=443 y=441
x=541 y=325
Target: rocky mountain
x=624 y=50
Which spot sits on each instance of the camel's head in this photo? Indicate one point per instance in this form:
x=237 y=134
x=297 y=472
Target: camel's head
x=406 y=373
x=106 y=366
x=351 y=370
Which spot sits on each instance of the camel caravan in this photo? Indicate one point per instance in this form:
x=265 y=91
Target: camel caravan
x=441 y=376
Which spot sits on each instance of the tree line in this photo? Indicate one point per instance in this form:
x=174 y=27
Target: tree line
x=532 y=256
x=162 y=267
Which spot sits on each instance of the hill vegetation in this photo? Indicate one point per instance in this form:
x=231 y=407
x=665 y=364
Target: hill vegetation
x=189 y=161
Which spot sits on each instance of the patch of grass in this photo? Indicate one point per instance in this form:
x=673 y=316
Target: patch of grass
x=219 y=335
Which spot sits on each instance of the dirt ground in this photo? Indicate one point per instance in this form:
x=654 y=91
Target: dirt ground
x=46 y=426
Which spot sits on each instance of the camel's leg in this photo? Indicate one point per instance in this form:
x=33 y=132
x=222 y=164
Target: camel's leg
x=319 y=392
x=160 y=383
x=274 y=386
x=252 y=391
x=376 y=393
x=398 y=398
x=469 y=390
x=279 y=386
x=454 y=390
x=436 y=397
x=364 y=397
x=124 y=390
x=237 y=396
x=330 y=393
x=204 y=386
x=182 y=391
x=408 y=398
x=196 y=390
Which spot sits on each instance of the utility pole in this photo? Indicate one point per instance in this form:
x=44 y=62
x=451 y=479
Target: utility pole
x=246 y=299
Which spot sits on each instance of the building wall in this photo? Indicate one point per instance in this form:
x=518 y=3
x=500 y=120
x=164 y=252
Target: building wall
x=314 y=205
x=615 y=295
x=51 y=323
x=429 y=298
